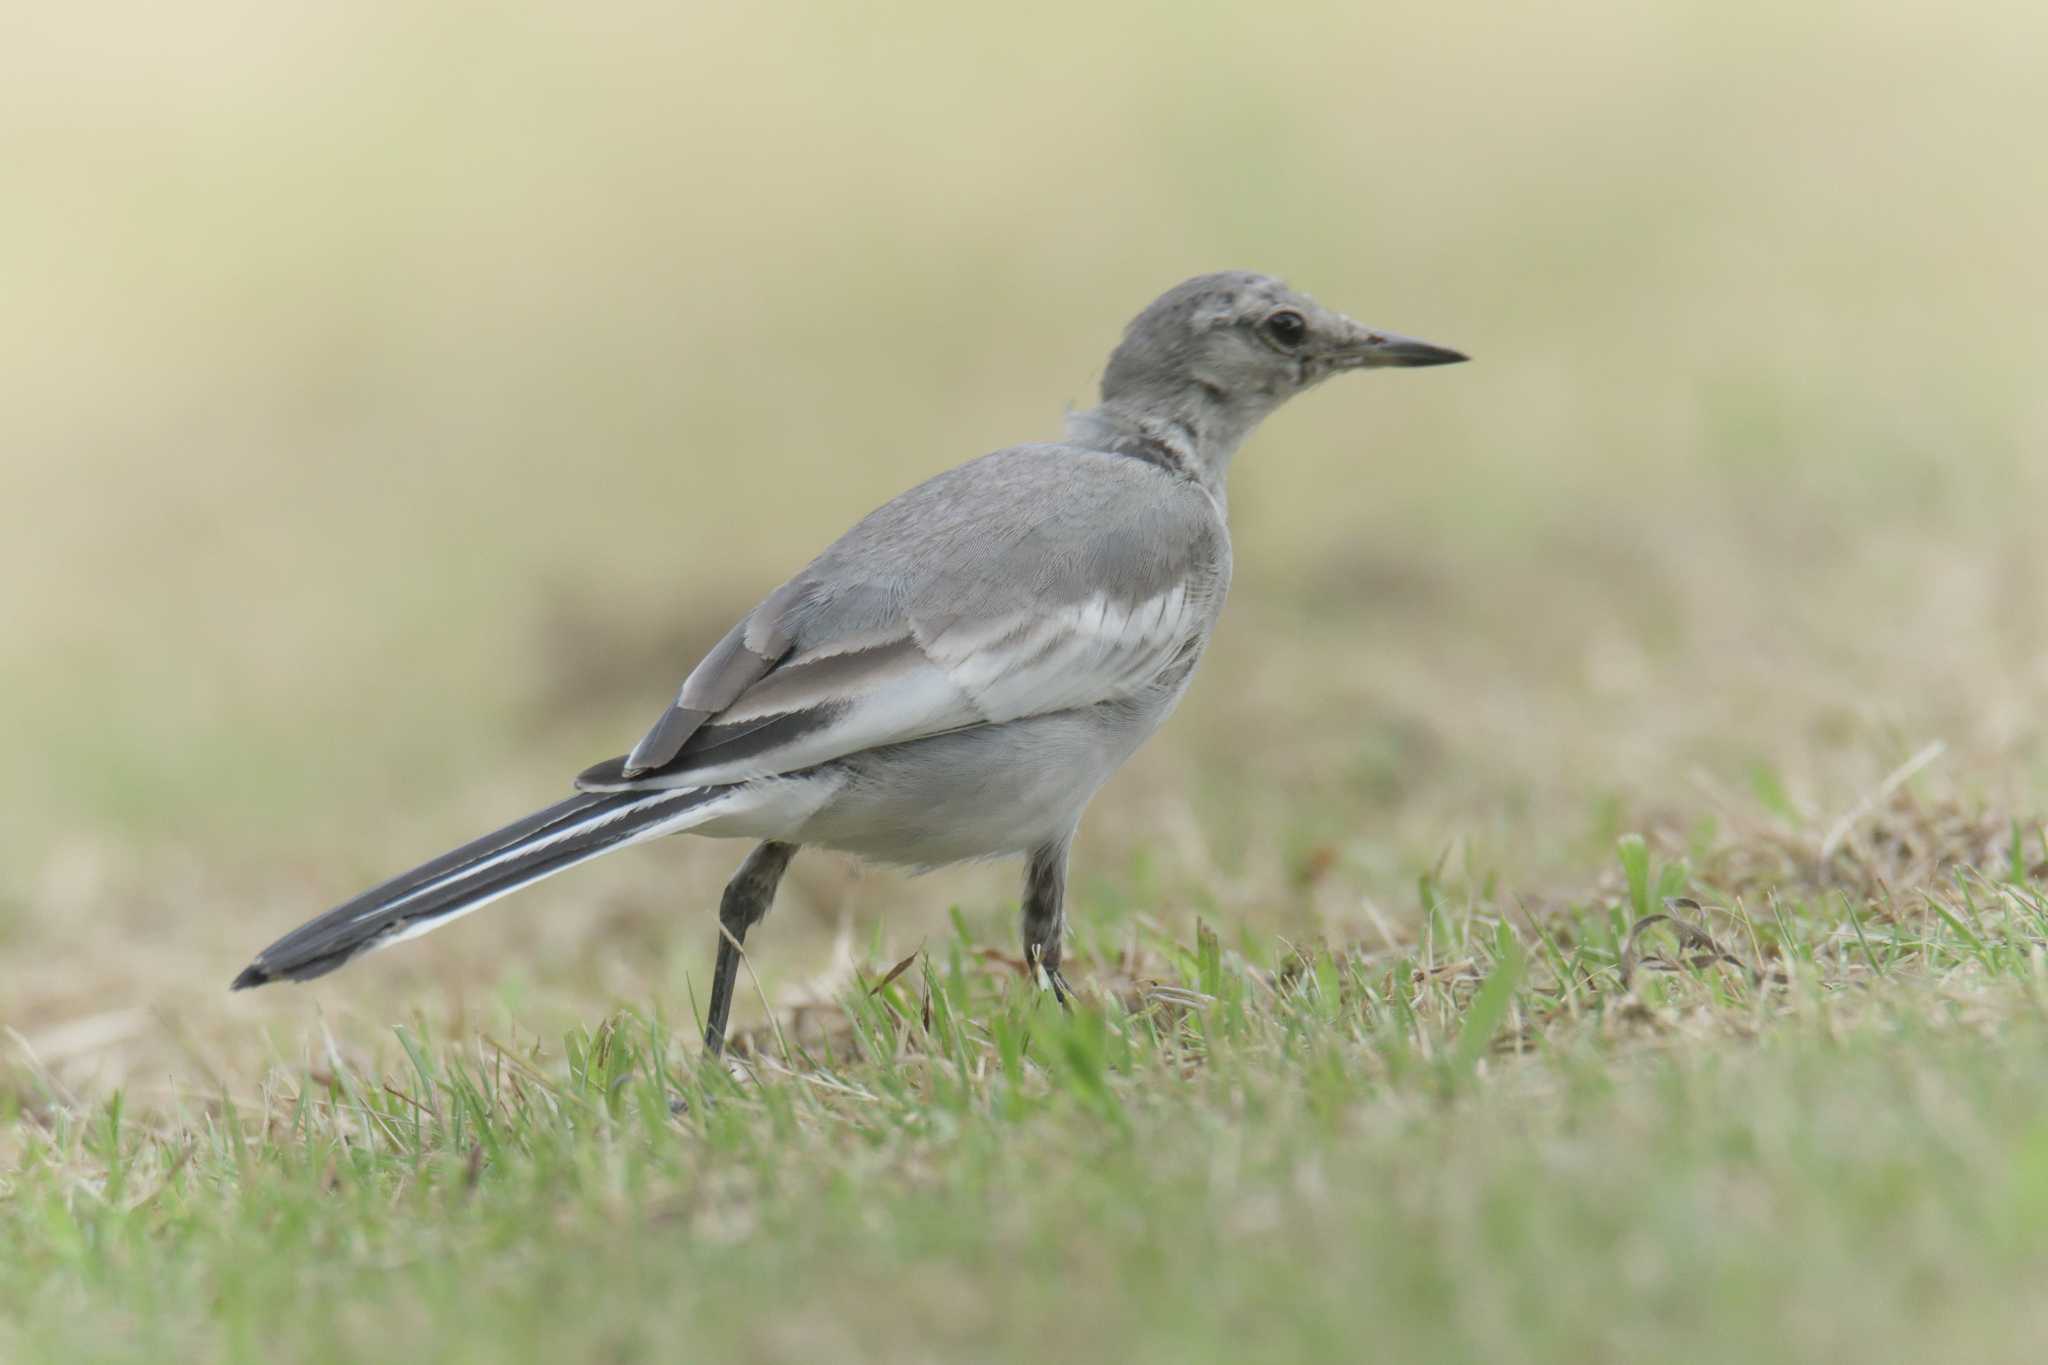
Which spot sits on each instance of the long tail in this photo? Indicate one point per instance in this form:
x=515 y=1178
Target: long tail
x=432 y=894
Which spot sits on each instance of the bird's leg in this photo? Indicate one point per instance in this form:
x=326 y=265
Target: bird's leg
x=747 y=898
x=1045 y=914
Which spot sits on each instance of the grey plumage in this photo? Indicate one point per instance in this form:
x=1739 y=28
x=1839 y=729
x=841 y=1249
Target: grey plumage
x=956 y=675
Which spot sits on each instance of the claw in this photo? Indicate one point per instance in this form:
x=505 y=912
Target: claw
x=1061 y=990
x=1056 y=980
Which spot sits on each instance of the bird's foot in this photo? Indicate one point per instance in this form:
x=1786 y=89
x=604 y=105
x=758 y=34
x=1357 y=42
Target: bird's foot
x=1055 y=980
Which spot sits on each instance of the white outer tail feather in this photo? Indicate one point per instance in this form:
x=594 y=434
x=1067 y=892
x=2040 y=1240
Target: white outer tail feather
x=690 y=815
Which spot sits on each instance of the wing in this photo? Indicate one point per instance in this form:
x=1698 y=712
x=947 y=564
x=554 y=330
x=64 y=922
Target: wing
x=1036 y=580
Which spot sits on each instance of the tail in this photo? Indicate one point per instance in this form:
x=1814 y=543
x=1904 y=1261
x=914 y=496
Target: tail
x=522 y=853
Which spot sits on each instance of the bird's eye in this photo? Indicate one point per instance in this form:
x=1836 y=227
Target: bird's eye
x=1287 y=327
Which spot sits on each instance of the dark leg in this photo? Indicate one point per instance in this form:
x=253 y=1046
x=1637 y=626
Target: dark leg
x=747 y=898
x=1045 y=913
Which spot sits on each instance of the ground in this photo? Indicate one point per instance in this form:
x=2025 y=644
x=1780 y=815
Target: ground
x=1802 y=1119
x=403 y=400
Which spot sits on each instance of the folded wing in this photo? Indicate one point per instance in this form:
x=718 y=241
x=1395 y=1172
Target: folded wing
x=1017 y=619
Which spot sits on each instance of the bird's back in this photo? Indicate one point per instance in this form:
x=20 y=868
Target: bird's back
x=1029 y=527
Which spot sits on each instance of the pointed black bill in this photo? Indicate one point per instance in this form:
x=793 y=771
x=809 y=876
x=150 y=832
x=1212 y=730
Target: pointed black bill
x=1374 y=349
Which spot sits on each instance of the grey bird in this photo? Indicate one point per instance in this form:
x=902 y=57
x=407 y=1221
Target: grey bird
x=954 y=677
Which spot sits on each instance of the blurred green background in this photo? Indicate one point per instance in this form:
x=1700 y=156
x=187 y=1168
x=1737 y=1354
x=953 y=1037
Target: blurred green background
x=397 y=397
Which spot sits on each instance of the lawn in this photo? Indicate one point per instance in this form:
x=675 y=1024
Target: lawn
x=1810 y=1125
x=402 y=398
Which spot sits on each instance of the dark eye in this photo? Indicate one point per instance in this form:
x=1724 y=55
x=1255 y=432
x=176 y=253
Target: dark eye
x=1287 y=327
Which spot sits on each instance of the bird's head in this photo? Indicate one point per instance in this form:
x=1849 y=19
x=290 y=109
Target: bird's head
x=1216 y=354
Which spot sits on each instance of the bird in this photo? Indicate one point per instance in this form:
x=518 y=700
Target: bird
x=955 y=677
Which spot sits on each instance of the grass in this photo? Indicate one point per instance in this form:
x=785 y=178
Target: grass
x=1552 y=1137
x=402 y=397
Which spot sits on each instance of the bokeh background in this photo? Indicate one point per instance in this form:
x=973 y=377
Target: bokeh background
x=398 y=397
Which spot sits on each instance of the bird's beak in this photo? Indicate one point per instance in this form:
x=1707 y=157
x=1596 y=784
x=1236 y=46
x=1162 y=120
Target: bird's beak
x=1367 y=349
